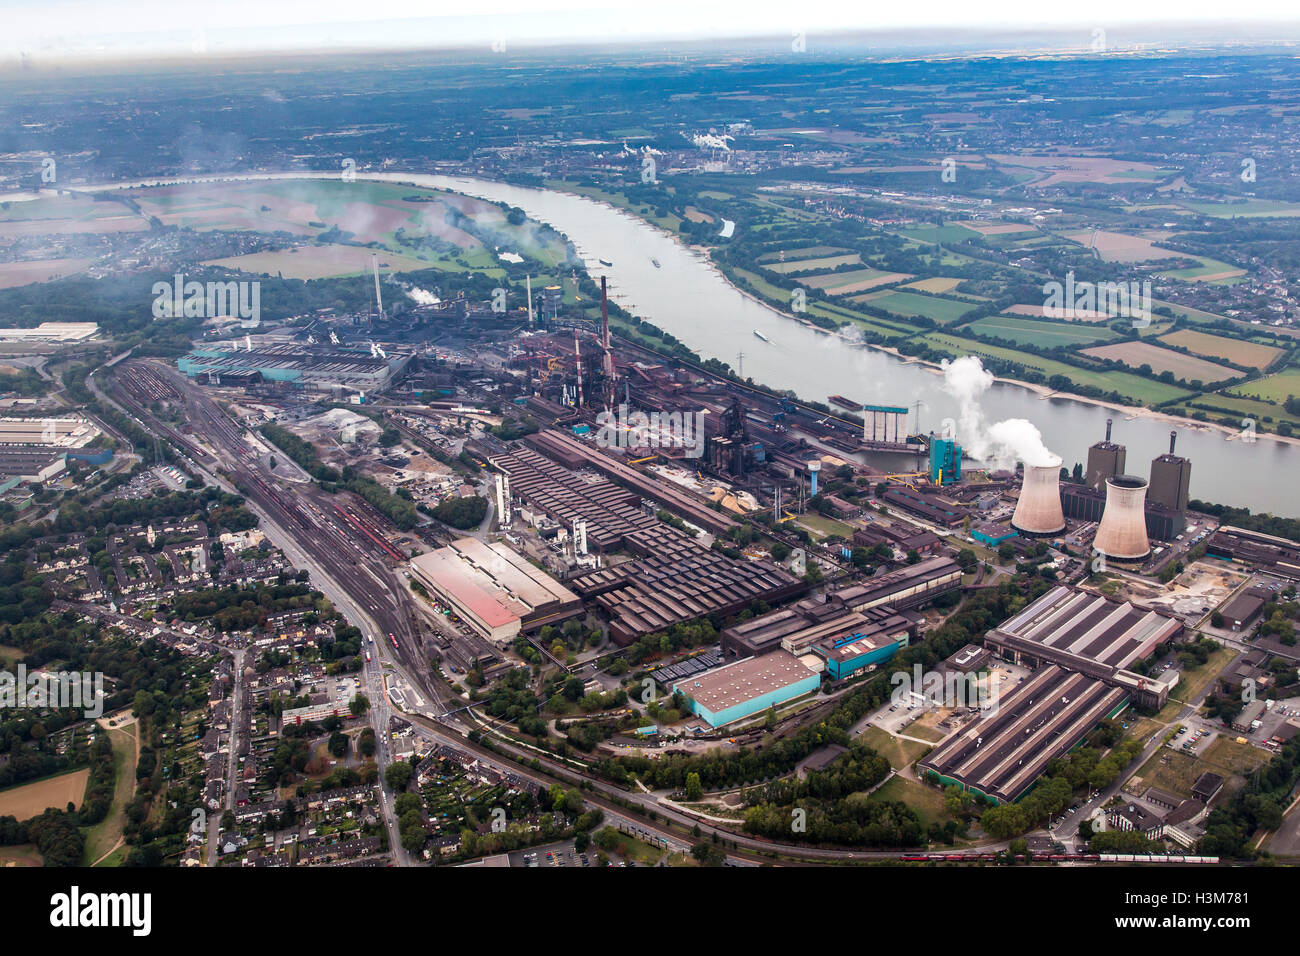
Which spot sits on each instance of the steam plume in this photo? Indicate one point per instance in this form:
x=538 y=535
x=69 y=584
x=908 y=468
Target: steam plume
x=1001 y=443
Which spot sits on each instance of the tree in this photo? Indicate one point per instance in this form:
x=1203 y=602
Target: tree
x=708 y=854
x=359 y=705
x=694 y=790
x=398 y=775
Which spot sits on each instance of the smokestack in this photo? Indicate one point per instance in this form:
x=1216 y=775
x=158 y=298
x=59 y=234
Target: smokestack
x=577 y=359
x=1122 y=533
x=1108 y=424
x=1038 y=512
x=1173 y=437
x=529 y=282
x=604 y=315
x=607 y=351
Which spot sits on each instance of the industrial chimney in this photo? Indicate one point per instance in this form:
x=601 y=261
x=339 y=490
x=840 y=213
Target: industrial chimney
x=1122 y=533
x=1038 y=512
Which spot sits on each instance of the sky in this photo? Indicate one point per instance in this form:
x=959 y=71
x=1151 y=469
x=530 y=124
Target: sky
x=55 y=30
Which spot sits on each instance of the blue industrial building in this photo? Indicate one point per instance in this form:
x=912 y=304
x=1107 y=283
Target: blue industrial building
x=846 y=655
x=992 y=534
x=747 y=687
x=945 y=461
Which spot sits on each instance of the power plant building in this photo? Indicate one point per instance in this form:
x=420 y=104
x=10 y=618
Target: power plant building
x=1122 y=534
x=945 y=461
x=747 y=687
x=1106 y=459
x=1038 y=512
x=1171 y=477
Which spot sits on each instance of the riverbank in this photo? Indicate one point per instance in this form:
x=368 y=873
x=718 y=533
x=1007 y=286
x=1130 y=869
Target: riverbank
x=701 y=254
x=1045 y=392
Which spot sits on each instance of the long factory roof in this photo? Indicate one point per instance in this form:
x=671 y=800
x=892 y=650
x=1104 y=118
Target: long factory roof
x=1006 y=750
x=1070 y=625
x=490 y=580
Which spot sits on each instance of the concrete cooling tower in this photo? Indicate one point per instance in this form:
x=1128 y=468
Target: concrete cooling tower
x=1039 y=510
x=1122 y=533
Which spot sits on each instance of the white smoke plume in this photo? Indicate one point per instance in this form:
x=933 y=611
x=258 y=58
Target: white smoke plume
x=1001 y=443
x=423 y=296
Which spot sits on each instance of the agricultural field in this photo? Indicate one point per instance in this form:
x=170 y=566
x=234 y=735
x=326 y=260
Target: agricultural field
x=1133 y=387
x=1218 y=346
x=1053 y=168
x=41 y=270
x=998 y=228
x=813 y=265
x=763 y=286
x=319 y=262
x=418 y=226
x=1186 y=367
x=905 y=304
x=49 y=215
x=1222 y=405
x=857 y=280
x=1209 y=270
x=1190 y=314
x=25 y=854
x=1121 y=247
x=1042 y=334
x=935 y=284
x=32 y=799
x=1275 y=388
x=1245 y=208
x=938 y=234
x=809 y=252
x=869 y=323
x=1039 y=312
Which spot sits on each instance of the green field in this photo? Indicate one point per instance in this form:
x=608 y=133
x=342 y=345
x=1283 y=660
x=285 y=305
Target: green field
x=808 y=252
x=1275 y=388
x=1248 y=209
x=1188 y=313
x=812 y=265
x=1041 y=334
x=1133 y=387
x=867 y=323
x=1222 y=405
x=906 y=304
x=938 y=234
x=1207 y=267
x=927 y=801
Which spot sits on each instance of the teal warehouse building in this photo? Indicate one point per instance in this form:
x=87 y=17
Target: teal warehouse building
x=735 y=691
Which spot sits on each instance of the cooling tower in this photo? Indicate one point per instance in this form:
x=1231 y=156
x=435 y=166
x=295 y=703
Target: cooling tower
x=1122 y=533
x=1039 y=508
